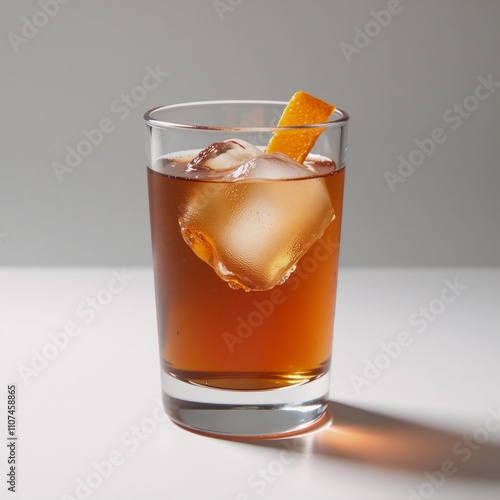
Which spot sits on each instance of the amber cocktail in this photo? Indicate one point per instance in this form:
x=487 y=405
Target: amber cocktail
x=245 y=247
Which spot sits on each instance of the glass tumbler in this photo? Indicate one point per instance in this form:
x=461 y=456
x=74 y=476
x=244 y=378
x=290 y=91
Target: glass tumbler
x=245 y=253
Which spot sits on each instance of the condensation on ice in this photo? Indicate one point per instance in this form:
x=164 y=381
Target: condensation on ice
x=253 y=230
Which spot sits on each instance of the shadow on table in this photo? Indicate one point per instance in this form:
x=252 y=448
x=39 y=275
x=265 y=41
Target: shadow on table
x=377 y=439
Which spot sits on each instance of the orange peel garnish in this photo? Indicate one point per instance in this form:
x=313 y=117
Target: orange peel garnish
x=303 y=109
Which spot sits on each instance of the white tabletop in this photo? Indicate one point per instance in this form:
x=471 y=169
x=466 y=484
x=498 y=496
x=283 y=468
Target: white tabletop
x=421 y=420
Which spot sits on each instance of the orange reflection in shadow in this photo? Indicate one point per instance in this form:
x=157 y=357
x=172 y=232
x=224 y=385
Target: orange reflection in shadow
x=378 y=439
x=374 y=438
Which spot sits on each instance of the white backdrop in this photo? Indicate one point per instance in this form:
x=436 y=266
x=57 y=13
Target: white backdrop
x=421 y=80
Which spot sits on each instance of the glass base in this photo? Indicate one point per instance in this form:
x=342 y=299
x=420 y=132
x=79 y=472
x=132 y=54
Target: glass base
x=268 y=414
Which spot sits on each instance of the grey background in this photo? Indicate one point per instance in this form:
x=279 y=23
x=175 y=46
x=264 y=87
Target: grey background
x=397 y=89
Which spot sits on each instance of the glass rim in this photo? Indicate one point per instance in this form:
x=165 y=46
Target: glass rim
x=339 y=117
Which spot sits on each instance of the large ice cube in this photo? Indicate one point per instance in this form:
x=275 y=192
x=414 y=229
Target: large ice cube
x=269 y=166
x=222 y=156
x=252 y=228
